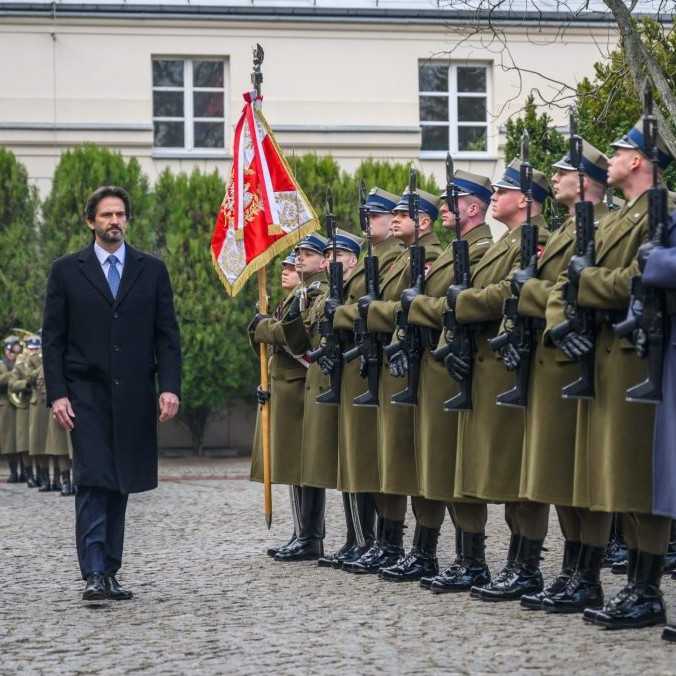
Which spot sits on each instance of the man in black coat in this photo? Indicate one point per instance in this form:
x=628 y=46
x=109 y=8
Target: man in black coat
x=109 y=333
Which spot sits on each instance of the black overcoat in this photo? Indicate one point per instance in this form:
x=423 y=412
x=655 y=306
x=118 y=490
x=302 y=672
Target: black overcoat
x=109 y=357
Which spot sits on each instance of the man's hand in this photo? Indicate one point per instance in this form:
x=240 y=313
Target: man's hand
x=326 y=365
x=575 y=346
x=168 y=406
x=510 y=356
x=520 y=277
x=452 y=295
x=578 y=264
x=407 y=297
x=256 y=321
x=293 y=311
x=262 y=395
x=363 y=305
x=648 y=247
x=330 y=307
x=63 y=413
x=458 y=367
x=398 y=364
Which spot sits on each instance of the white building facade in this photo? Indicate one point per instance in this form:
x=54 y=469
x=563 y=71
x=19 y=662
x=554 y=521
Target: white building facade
x=163 y=83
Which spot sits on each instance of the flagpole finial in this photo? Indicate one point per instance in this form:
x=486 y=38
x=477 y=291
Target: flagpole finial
x=256 y=73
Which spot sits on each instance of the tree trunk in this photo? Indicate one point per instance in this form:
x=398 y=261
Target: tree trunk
x=195 y=419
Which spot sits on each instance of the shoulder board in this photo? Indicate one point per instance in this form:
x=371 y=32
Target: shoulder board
x=315 y=285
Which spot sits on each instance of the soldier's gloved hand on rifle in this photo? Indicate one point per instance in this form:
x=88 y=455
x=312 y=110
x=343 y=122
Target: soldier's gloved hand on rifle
x=407 y=297
x=294 y=310
x=648 y=247
x=520 y=277
x=452 y=295
x=330 y=307
x=262 y=395
x=578 y=264
x=458 y=367
x=363 y=304
x=574 y=346
x=326 y=365
x=363 y=366
x=510 y=356
x=640 y=340
x=256 y=321
x=398 y=364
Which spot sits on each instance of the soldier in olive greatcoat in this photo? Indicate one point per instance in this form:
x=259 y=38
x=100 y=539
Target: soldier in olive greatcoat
x=490 y=438
x=396 y=452
x=613 y=441
x=288 y=373
x=357 y=425
x=8 y=411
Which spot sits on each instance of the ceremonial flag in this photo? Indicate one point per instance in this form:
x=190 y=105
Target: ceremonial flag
x=264 y=211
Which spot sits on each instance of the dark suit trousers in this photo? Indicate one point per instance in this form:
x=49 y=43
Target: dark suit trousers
x=99 y=529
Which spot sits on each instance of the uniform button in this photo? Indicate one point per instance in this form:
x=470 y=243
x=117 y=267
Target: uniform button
x=115 y=315
x=116 y=381
x=116 y=348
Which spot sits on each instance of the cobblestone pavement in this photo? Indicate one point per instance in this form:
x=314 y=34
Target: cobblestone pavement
x=209 y=601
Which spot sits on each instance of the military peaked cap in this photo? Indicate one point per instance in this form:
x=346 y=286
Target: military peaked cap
x=511 y=180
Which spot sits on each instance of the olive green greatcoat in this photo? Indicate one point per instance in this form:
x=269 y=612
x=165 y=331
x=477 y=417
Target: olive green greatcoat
x=57 y=441
x=358 y=425
x=287 y=391
x=19 y=382
x=613 y=469
x=396 y=445
x=319 y=448
x=490 y=437
x=435 y=429
x=7 y=412
x=548 y=460
x=38 y=413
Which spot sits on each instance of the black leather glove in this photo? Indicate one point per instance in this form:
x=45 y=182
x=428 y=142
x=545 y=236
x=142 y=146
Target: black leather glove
x=363 y=305
x=510 y=356
x=326 y=365
x=458 y=367
x=363 y=366
x=648 y=247
x=640 y=340
x=256 y=321
x=520 y=277
x=575 y=346
x=452 y=295
x=262 y=395
x=330 y=307
x=294 y=310
x=407 y=298
x=398 y=364
x=578 y=264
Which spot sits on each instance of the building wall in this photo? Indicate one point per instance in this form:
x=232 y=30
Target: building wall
x=348 y=88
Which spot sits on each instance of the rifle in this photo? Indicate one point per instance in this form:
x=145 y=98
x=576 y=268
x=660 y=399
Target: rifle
x=330 y=343
x=579 y=319
x=367 y=344
x=459 y=339
x=520 y=331
x=653 y=317
x=410 y=336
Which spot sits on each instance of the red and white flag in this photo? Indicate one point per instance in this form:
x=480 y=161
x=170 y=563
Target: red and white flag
x=264 y=211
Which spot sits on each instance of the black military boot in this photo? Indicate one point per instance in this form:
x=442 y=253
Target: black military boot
x=66 y=485
x=13 y=477
x=584 y=588
x=506 y=572
x=365 y=536
x=669 y=633
x=45 y=483
x=426 y=582
x=31 y=479
x=22 y=471
x=616 y=552
x=590 y=614
x=421 y=561
x=644 y=605
x=571 y=553
x=309 y=545
x=383 y=553
x=335 y=560
x=525 y=579
x=670 y=558
x=472 y=571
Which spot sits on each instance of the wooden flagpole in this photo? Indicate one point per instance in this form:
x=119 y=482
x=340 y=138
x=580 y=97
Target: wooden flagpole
x=256 y=80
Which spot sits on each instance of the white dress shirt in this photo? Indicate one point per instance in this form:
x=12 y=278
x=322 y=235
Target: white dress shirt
x=102 y=255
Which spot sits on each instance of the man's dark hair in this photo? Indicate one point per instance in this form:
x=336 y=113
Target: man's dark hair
x=103 y=192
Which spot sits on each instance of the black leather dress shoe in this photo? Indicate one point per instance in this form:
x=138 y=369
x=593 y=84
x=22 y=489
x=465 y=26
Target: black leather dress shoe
x=96 y=588
x=271 y=551
x=536 y=601
x=462 y=579
x=420 y=562
x=669 y=633
x=336 y=559
x=114 y=590
x=526 y=577
x=301 y=550
x=583 y=590
x=374 y=559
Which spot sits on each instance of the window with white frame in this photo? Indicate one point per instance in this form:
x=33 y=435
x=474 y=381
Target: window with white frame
x=189 y=104
x=453 y=107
